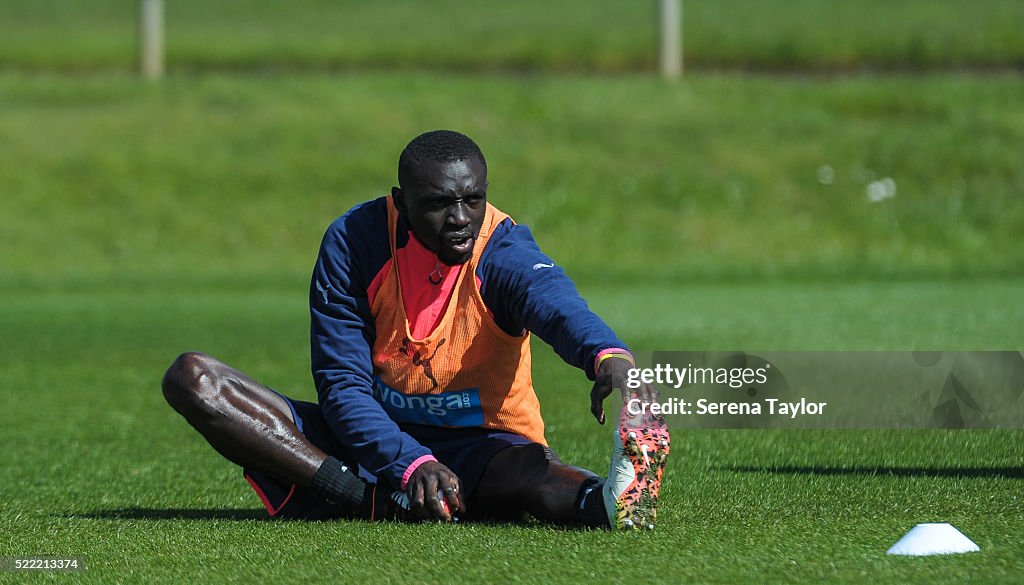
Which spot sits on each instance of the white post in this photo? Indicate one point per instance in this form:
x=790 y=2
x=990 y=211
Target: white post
x=151 y=38
x=670 y=17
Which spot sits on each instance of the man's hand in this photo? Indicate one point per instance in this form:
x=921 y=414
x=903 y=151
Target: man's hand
x=423 y=487
x=613 y=374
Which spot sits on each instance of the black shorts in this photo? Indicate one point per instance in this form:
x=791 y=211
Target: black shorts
x=466 y=451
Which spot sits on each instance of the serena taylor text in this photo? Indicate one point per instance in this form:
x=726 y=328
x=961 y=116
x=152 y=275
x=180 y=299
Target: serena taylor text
x=703 y=406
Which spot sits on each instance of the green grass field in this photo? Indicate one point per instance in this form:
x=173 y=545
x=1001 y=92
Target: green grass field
x=99 y=467
x=716 y=177
x=726 y=212
x=143 y=221
x=597 y=35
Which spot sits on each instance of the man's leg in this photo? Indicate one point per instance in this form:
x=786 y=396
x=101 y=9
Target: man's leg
x=246 y=422
x=252 y=426
x=526 y=477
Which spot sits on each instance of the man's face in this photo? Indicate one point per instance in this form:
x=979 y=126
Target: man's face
x=446 y=207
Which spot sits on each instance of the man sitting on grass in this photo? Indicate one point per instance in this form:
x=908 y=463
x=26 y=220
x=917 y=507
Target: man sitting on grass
x=423 y=304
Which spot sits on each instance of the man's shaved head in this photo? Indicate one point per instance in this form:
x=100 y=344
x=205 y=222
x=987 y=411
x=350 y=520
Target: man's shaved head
x=443 y=193
x=435 y=146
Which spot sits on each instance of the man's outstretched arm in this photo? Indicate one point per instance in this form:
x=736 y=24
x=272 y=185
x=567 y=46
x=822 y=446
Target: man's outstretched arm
x=526 y=290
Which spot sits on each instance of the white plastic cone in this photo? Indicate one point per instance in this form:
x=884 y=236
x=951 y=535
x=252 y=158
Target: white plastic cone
x=937 y=538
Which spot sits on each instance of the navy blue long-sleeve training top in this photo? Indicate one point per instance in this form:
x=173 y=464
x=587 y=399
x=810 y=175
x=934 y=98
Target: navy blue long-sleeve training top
x=520 y=297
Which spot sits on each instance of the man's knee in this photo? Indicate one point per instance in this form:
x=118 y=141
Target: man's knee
x=189 y=381
x=532 y=478
x=519 y=469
